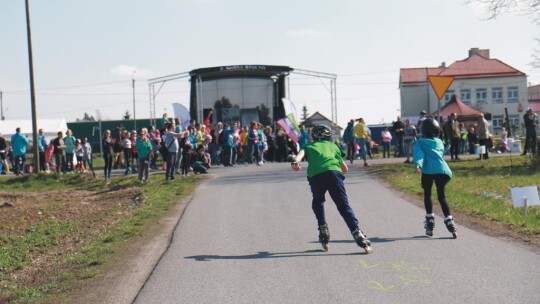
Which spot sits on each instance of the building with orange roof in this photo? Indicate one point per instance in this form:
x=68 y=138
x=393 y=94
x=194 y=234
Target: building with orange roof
x=482 y=83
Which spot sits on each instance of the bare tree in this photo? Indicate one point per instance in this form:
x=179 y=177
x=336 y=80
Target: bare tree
x=531 y=8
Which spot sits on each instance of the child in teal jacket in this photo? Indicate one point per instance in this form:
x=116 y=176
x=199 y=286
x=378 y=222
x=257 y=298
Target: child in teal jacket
x=428 y=159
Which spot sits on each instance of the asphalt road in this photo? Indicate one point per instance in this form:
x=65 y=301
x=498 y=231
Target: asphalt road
x=249 y=236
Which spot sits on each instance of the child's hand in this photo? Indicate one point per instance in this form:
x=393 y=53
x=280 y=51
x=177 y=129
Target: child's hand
x=418 y=171
x=295 y=166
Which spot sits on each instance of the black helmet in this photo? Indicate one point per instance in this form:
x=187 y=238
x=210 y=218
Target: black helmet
x=321 y=132
x=430 y=128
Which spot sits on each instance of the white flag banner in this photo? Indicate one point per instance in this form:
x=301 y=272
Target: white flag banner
x=182 y=113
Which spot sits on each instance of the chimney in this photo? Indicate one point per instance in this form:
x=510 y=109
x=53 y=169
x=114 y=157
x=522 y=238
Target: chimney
x=443 y=65
x=476 y=51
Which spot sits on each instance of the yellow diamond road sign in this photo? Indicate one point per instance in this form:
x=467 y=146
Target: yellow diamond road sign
x=440 y=84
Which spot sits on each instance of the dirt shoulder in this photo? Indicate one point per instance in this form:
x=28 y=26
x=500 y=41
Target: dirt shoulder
x=127 y=274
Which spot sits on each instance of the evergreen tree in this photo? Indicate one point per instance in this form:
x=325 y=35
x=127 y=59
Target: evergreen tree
x=305 y=113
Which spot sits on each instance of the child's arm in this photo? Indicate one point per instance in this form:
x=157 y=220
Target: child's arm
x=295 y=165
x=344 y=168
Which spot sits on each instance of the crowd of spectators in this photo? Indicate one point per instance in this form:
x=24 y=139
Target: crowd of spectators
x=199 y=147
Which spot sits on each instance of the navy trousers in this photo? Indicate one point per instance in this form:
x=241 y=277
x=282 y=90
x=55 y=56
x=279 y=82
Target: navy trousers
x=331 y=181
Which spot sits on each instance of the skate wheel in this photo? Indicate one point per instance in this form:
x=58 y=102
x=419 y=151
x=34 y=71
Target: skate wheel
x=368 y=249
x=325 y=247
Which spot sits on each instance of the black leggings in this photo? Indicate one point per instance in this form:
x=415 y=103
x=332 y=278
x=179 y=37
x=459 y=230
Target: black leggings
x=440 y=182
x=186 y=161
x=108 y=164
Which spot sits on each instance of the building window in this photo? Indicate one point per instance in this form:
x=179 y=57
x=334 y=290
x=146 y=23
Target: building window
x=513 y=95
x=466 y=96
x=481 y=95
x=448 y=95
x=497 y=95
x=498 y=122
x=514 y=122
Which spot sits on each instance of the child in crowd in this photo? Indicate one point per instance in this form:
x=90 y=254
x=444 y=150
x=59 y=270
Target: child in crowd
x=325 y=173
x=428 y=159
x=185 y=145
x=87 y=155
x=79 y=154
x=386 y=139
x=126 y=148
x=472 y=139
x=144 y=152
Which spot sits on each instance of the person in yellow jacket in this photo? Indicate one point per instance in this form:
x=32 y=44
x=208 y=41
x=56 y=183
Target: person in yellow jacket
x=361 y=135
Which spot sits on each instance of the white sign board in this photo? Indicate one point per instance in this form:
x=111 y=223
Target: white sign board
x=519 y=195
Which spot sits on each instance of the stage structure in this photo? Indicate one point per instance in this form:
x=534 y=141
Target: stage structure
x=239 y=92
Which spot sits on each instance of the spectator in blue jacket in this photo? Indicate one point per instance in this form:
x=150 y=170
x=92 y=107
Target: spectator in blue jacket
x=19 y=143
x=42 y=147
x=348 y=138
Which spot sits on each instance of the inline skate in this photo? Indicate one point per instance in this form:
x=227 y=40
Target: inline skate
x=361 y=240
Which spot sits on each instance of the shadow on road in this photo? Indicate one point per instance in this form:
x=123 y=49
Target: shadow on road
x=268 y=255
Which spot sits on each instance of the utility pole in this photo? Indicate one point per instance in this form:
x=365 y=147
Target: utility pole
x=133 y=86
x=32 y=90
x=1 y=107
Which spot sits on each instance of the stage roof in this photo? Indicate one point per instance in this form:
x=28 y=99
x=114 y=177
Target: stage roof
x=264 y=71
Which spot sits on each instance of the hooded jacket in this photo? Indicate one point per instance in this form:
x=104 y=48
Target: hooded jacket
x=429 y=157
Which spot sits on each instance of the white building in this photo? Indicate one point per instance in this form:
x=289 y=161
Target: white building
x=481 y=82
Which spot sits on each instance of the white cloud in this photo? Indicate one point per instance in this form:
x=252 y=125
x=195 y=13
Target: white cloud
x=306 y=33
x=128 y=71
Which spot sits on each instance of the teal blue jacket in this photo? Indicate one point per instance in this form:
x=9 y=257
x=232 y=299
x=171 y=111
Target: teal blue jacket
x=143 y=148
x=429 y=157
x=19 y=142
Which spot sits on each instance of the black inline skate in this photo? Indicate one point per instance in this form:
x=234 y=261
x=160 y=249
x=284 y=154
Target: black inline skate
x=429 y=225
x=361 y=240
x=451 y=226
x=324 y=236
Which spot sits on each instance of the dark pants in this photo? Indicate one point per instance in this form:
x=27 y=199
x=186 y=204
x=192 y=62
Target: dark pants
x=42 y=163
x=226 y=155
x=530 y=141
x=386 y=149
x=398 y=152
x=144 y=163
x=19 y=162
x=186 y=162
x=127 y=157
x=331 y=181
x=440 y=182
x=60 y=159
x=350 y=151
x=454 y=148
x=108 y=164
x=171 y=164
x=87 y=163
x=69 y=162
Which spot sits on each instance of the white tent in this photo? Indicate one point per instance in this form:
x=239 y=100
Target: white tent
x=50 y=126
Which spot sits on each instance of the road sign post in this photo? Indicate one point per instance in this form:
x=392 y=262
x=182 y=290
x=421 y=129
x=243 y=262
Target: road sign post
x=440 y=85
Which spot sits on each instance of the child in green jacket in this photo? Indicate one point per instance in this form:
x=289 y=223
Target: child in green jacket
x=325 y=173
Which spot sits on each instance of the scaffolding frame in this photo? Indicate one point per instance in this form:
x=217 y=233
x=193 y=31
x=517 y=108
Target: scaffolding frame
x=332 y=89
x=161 y=81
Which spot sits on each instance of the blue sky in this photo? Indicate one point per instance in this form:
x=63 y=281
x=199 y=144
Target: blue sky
x=85 y=52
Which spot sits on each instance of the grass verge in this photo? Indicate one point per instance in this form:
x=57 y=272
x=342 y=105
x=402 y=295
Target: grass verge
x=479 y=188
x=50 y=247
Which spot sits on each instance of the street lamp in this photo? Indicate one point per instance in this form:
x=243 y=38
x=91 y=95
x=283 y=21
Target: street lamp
x=275 y=102
x=133 y=86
